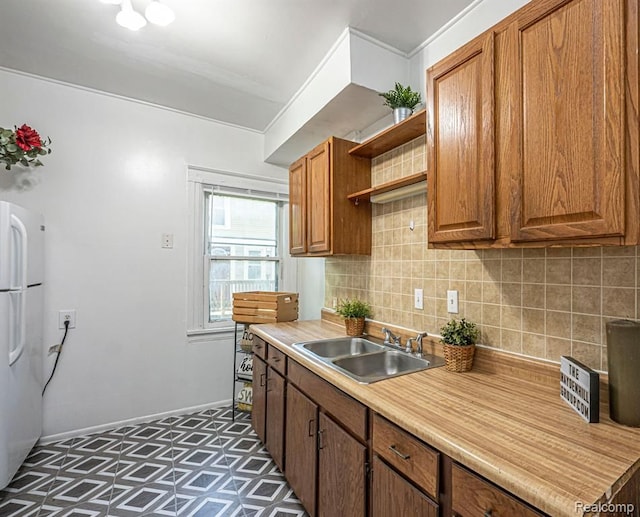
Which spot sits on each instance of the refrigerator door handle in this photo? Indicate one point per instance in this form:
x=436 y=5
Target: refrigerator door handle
x=20 y=261
x=18 y=331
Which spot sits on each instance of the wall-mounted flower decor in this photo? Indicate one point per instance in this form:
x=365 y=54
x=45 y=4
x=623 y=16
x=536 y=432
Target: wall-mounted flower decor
x=22 y=145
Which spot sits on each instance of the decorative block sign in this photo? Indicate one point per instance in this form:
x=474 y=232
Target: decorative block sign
x=580 y=388
x=245 y=397
x=245 y=369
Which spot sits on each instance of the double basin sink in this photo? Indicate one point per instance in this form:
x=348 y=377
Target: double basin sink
x=364 y=360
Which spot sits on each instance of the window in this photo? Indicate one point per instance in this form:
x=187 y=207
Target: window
x=237 y=242
x=243 y=253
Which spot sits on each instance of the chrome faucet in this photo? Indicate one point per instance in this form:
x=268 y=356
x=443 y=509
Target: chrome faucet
x=418 y=341
x=419 y=338
x=388 y=336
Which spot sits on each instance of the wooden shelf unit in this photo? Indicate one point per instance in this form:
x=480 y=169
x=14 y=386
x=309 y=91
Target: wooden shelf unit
x=365 y=195
x=398 y=134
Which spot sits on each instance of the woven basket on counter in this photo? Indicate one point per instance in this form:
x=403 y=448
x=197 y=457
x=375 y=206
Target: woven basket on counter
x=458 y=358
x=354 y=326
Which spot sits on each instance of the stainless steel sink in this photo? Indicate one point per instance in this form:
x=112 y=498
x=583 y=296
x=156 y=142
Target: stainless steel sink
x=365 y=361
x=338 y=347
x=383 y=365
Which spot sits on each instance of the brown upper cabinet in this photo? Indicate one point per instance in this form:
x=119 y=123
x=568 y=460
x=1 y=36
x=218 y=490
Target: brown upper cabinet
x=533 y=130
x=322 y=220
x=461 y=139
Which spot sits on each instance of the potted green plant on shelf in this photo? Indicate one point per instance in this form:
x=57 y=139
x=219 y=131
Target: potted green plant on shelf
x=402 y=100
x=354 y=312
x=459 y=342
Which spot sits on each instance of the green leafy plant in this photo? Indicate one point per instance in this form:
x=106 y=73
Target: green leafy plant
x=401 y=97
x=459 y=332
x=22 y=145
x=353 y=308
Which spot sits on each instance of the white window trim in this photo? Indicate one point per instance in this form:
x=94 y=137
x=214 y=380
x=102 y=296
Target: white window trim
x=199 y=179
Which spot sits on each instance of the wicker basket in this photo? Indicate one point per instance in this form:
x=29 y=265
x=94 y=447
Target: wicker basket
x=354 y=326
x=458 y=358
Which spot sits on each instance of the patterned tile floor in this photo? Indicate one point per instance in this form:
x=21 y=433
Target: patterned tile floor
x=197 y=465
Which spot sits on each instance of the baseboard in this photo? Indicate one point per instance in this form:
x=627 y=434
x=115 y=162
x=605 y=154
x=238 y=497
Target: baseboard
x=131 y=421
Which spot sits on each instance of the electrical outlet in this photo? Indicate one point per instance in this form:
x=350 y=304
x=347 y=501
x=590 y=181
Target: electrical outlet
x=452 y=302
x=68 y=315
x=418 y=299
x=334 y=303
x=167 y=240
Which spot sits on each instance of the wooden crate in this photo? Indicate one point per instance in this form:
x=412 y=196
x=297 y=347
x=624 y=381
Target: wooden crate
x=265 y=307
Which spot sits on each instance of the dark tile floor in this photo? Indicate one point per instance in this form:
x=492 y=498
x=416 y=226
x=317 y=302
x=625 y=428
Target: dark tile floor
x=201 y=465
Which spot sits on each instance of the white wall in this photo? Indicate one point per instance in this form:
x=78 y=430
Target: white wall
x=115 y=181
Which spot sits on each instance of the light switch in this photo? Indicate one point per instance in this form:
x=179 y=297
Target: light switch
x=167 y=240
x=452 y=302
x=418 y=299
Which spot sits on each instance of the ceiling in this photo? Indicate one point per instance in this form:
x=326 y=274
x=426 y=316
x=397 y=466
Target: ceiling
x=236 y=61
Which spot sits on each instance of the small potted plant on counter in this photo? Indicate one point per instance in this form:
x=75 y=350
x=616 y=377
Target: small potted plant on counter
x=354 y=312
x=459 y=342
x=402 y=100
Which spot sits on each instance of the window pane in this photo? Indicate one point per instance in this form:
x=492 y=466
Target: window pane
x=231 y=276
x=244 y=226
x=237 y=227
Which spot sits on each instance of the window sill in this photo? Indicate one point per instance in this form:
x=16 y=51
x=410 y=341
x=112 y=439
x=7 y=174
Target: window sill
x=194 y=334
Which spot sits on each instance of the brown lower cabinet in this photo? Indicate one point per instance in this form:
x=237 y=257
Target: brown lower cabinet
x=341 y=473
x=326 y=465
x=275 y=416
x=302 y=447
x=258 y=410
x=473 y=496
x=268 y=412
x=319 y=437
x=391 y=494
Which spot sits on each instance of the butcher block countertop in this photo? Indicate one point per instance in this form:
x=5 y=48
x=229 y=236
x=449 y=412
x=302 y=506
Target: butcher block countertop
x=504 y=420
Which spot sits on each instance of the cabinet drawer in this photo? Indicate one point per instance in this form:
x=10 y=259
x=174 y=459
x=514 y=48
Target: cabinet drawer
x=277 y=360
x=259 y=347
x=473 y=496
x=407 y=454
x=349 y=412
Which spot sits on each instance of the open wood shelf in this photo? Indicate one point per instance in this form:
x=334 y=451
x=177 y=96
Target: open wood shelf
x=398 y=134
x=365 y=195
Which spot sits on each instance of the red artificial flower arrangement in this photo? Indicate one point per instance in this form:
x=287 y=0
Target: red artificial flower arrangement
x=22 y=145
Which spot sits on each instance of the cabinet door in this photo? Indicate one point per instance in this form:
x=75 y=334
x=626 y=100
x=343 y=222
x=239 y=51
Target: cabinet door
x=319 y=199
x=472 y=496
x=275 y=416
x=341 y=472
x=259 y=404
x=301 y=447
x=298 y=207
x=460 y=133
x=567 y=76
x=393 y=495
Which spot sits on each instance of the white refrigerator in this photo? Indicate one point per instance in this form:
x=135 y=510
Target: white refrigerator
x=21 y=343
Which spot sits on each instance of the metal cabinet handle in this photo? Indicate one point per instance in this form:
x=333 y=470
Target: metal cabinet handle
x=310 y=430
x=320 y=433
x=263 y=377
x=393 y=449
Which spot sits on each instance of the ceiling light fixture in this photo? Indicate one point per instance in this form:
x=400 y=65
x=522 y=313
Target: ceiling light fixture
x=159 y=14
x=156 y=12
x=129 y=18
